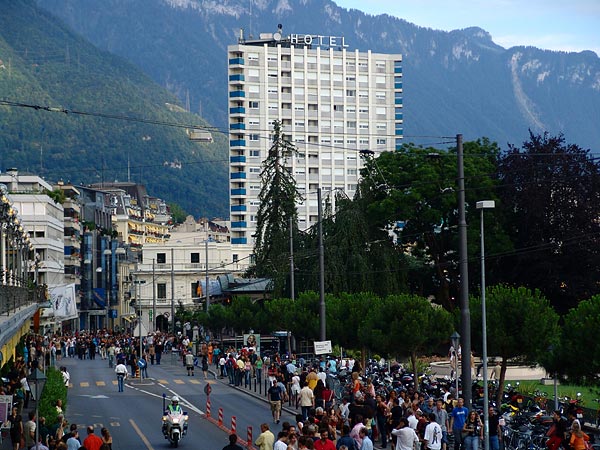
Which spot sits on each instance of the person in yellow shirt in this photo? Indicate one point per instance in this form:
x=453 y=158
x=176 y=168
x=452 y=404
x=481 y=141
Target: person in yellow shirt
x=312 y=378
x=266 y=439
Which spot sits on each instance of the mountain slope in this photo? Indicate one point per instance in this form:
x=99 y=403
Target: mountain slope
x=44 y=63
x=454 y=82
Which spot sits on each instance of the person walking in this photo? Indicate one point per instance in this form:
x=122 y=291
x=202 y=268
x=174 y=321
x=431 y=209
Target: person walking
x=474 y=429
x=458 y=417
x=16 y=428
x=121 y=371
x=275 y=401
x=189 y=363
x=307 y=400
x=432 y=438
x=266 y=439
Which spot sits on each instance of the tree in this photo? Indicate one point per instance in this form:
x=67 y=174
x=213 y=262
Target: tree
x=521 y=324
x=580 y=349
x=177 y=213
x=278 y=197
x=405 y=325
x=551 y=194
x=412 y=192
x=358 y=256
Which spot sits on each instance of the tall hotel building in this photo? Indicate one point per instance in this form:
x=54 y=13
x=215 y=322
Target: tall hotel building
x=333 y=102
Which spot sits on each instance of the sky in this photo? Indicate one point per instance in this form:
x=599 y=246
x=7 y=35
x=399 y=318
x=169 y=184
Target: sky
x=547 y=24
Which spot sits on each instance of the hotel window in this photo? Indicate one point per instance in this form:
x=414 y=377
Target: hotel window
x=273 y=106
x=253 y=105
x=161 y=258
x=351 y=124
x=381 y=141
x=253 y=56
x=254 y=153
x=194 y=258
x=254 y=170
x=380 y=95
x=161 y=290
x=253 y=137
x=350 y=93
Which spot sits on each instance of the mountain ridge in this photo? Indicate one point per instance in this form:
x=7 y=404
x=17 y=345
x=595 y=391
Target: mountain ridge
x=454 y=82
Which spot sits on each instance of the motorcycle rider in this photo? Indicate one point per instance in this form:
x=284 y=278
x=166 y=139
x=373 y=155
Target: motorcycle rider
x=173 y=408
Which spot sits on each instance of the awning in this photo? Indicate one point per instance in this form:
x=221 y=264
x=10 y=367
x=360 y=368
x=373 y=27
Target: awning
x=127 y=319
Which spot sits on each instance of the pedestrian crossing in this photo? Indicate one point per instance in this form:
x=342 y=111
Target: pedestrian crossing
x=176 y=381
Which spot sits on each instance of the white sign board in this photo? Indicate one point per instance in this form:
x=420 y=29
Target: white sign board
x=322 y=347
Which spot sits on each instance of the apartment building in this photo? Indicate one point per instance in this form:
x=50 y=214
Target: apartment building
x=333 y=103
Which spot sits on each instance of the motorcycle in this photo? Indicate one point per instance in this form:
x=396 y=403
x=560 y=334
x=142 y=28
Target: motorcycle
x=175 y=424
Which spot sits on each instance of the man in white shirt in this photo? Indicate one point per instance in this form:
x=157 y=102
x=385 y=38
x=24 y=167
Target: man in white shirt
x=411 y=419
x=406 y=437
x=432 y=438
x=306 y=399
x=121 y=371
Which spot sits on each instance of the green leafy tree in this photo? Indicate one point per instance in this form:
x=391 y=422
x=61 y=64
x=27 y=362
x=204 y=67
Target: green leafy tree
x=177 y=213
x=580 y=349
x=521 y=325
x=551 y=193
x=413 y=193
x=405 y=325
x=278 y=197
x=359 y=257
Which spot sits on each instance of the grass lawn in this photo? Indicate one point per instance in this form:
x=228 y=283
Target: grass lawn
x=589 y=394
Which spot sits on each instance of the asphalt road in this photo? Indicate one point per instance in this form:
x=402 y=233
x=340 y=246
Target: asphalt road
x=133 y=417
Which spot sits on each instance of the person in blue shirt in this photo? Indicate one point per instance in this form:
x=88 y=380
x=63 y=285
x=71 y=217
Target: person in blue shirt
x=457 y=422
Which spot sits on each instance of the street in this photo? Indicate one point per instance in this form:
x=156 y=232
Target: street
x=134 y=416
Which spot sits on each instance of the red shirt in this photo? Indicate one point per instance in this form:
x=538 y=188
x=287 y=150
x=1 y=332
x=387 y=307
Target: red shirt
x=326 y=444
x=92 y=442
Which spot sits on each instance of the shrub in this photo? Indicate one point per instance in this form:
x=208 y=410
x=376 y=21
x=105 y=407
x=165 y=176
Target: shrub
x=55 y=389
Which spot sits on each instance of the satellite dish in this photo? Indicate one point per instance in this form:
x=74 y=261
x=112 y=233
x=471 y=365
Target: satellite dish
x=277 y=36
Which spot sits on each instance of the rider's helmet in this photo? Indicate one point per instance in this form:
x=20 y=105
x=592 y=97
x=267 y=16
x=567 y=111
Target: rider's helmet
x=175 y=400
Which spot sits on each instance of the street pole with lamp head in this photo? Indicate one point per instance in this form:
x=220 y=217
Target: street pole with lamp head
x=107 y=254
x=481 y=206
x=37 y=381
x=455 y=339
x=98 y=270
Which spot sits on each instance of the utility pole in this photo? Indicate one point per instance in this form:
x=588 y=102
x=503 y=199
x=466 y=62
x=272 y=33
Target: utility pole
x=292 y=289
x=322 y=310
x=206 y=275
x=465 y=314
x=153 y=318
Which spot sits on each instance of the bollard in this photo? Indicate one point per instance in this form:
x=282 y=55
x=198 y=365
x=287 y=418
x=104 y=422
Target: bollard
x=220 y=416
x=249 y=436
x=233 y=424
x=208 y=407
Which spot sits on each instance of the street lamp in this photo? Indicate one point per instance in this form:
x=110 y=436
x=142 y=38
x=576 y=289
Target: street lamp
x=455 y=339
x=481 y=206
x=107 y=254
x=37 y=381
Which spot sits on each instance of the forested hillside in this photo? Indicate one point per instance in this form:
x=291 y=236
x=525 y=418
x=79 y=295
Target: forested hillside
x=132 y=127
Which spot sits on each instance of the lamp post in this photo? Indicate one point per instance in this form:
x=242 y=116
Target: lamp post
x=481 y=206
x=107 y=254
x=37 y=381
x=455 y=339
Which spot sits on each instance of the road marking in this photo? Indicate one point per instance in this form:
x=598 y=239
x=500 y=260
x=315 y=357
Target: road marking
x=115 y=382
x=163 y=381
x=115 y=424
x=84 y=384
x=195 y=382
x=179 y=381
x=141 y=435
x=100 y=383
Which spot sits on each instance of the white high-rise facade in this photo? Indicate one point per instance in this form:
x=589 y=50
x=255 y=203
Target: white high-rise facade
x=333 y=103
